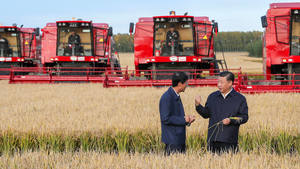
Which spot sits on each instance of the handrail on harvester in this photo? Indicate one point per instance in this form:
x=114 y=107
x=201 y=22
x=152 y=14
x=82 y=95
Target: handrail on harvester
x=124 y=77
x=257 y=83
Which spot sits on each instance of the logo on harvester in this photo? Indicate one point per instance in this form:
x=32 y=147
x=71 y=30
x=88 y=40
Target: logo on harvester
x=205 y=37
x=173 y=58
x=182 y=59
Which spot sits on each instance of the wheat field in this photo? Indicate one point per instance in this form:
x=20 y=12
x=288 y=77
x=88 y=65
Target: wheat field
x=60 y=110
x=79 y=108
x=38 y=160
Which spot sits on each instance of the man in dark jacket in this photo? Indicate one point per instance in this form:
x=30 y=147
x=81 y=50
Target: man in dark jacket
x=172 y=40
x=172 y=116
x=226 y=110
x=74 y=43
x=3 y=46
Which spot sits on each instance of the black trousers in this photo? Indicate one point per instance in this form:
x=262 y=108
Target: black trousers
x=221 y=147
x=171 y=149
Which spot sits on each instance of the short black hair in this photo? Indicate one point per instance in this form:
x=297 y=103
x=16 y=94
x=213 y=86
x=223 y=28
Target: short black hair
x=179 y=77
x=229 y=75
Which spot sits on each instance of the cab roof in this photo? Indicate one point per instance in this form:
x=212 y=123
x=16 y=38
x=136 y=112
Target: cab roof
x=9 y=27
x=74 y=21
x=293 y=5
x=174 y=16
x=196 y=18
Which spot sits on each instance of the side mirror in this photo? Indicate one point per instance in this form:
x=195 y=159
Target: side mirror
x=264 y=22
x=216 y=27
x=131 y=27
x=37 y=31
x=110 y=31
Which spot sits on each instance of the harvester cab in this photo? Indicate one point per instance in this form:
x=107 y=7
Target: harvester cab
x=74 y=39
x=173 y=37
x=77 y=43
x=9 y=43
x=174 y=42
x=18 y=46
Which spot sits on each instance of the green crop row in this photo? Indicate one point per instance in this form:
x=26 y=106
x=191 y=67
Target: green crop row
x=137 y=142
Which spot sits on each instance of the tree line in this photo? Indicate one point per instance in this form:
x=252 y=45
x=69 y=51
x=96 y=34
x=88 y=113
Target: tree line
x=240 y=41
x=224 y=41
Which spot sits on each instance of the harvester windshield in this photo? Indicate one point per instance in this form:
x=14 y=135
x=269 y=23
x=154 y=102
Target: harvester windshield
x=173 y=36
x=74 y=39
x=295 y=41
x=9 y=42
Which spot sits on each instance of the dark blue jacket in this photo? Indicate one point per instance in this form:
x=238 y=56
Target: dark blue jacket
x=217 y=108
x=172 y=118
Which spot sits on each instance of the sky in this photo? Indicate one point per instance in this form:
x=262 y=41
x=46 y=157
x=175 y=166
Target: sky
x=231 y=15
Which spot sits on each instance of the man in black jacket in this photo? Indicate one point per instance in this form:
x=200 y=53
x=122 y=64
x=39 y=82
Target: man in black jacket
x=172 y=116
x=3 y=46
x=226 y=110
x=74 y=43
x=172 y=40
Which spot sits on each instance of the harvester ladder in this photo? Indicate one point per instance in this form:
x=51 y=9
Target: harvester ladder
x=100 y=43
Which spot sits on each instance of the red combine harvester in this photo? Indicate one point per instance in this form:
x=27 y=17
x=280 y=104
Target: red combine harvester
x=167 y=44
x=73 y=51
x=174 y=42
x=281 y=41
x=281 y=52
x=78 y=44
x=19 y=47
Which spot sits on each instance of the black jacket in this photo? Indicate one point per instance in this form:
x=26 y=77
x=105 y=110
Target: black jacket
x=217 y=108
x=172 y=118
x=172 y=37
x=74 y=39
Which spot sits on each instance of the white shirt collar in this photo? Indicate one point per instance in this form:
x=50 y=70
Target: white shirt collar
x=225 y=95
x=175 y=92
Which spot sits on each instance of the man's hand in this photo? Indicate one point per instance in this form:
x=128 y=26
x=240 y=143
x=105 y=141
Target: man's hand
x=187 y=119
x=192 y=119
x=198 y=100
x=226 y=121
